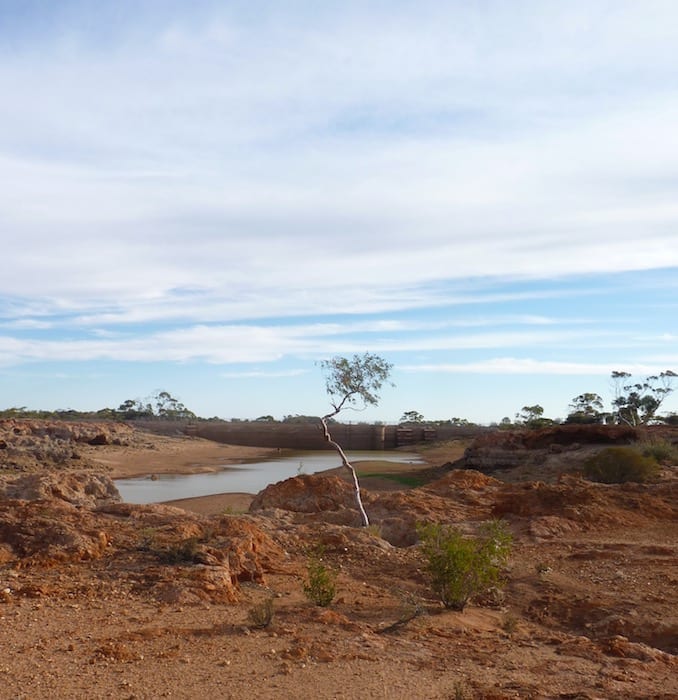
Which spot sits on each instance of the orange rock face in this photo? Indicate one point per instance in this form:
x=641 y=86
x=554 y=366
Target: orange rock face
x=107 y=599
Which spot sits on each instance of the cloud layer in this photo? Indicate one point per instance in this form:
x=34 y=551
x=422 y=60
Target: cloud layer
x=247 y=183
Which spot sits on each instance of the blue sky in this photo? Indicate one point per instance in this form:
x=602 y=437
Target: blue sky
x=211 y=197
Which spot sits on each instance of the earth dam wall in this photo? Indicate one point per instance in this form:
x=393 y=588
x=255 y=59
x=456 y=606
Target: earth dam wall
x=309 y=436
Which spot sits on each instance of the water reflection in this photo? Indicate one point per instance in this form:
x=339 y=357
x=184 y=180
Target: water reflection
x=243 y=478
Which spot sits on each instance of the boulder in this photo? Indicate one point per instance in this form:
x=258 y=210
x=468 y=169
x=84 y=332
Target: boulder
x=307 y=493
x=50 y=531
x=86 y=489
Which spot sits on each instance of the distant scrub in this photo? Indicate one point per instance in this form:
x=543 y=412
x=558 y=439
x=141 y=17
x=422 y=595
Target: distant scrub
x=617 y=465
x=659 y=449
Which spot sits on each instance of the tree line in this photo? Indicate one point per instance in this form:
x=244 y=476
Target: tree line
x=161 y=406
x=634 y=403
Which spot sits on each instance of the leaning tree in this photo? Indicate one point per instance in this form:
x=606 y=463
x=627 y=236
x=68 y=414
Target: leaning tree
x=353 y=385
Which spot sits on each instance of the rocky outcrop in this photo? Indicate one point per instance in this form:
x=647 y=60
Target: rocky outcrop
x=32 y=445
x=85 y=489
x=307 y=493
x=468 y=497
x=215 y=555
x=458 y=496
x=49 y=531
x=94 y=433
x=575 y=504
x=505 y=450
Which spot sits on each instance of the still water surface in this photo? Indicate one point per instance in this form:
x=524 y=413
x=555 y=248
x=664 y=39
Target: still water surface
x=243 y=478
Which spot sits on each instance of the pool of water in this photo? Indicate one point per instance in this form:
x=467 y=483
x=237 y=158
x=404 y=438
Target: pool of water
x=243 y=478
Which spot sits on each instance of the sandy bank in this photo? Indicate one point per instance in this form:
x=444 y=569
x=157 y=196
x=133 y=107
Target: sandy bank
x=174 y=455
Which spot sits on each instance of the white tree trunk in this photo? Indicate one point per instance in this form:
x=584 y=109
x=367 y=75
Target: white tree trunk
x=349 y=466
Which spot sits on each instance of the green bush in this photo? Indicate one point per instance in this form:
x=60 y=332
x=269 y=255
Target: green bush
x=320 y=587
x=659 y=449
x=461 y=567
x=617 y=465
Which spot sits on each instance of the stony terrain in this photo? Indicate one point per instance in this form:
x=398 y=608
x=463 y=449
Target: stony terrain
x=101 y=599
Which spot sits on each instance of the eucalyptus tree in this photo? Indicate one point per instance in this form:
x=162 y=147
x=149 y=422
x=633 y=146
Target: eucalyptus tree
x=532 y=417
x=411 y=417
x=353 y=384
x=586 y=408
x=637 y=403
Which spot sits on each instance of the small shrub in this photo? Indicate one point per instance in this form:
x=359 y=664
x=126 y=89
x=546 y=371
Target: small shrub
x=617 y=465
x=320 y=587
x=374 y=529
x=411 y=607
x=185 y=552
x=261 y=615
x=461 y=691
x=509 y=623
x=461 y=567
x=659 y=449
x=147 y=539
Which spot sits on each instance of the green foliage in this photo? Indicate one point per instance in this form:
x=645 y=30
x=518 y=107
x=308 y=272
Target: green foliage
x=320 y=588
x=505 y=424
x=586 y=408
x=411 y=417
x=298 y=418
x=462 y=567
x=134 y=408
x=261 y=615
x=408 y=480
x=160 y=405
x=637 y=403
x=355 y=381
x=532 y=417
x=660 y=449
x=460 y=422
x=169 y=408
x=617 y=465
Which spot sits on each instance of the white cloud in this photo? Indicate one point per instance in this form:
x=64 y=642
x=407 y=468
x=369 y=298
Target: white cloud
x=260 y=374
x=28 y=324
x=512 y=365
x=207 y=152
x=224 y=344
x=177 y=183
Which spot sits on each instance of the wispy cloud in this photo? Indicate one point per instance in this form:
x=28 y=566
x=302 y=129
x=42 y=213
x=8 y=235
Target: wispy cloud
x=381 y=164
x=263 y=374
x=213 y=185
x=225 y=344
x=27 y=324
x=512 y=365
